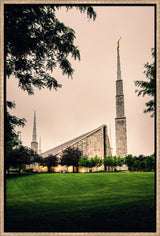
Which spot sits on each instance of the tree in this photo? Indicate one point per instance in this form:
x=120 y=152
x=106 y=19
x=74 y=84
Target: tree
x=148 y=87
x=91 y=163
x=137 y=165
x=115 y=163
x=120 y=161
x=108 y=161
x=129 y=161
x=98 y=161
x=22 y=156
x=150 y=163
x=71 y=157
x=140 y=163
x=36 y=42
x=11 y=136
x=50 y=161
x=83 y=161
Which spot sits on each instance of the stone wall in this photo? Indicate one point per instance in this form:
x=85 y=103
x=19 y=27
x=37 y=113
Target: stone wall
x=92 y=145
x=119 y=87
x=119 y=106
x=96 y=143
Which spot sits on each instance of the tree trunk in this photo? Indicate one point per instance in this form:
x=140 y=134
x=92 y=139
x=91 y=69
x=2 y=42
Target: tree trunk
x=73 y=169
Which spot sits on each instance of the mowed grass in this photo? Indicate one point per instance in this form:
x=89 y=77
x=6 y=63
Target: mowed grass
x=81 y=202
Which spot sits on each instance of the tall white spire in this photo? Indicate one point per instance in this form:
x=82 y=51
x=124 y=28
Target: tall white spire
x=120 y=121
x=119 y=88
x=34 y=136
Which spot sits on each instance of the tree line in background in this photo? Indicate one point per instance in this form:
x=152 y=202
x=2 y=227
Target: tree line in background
x=22 y=157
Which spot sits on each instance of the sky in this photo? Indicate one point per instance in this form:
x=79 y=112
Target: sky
x=88 y=100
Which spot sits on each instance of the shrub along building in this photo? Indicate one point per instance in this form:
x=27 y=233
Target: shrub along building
x=96 y=142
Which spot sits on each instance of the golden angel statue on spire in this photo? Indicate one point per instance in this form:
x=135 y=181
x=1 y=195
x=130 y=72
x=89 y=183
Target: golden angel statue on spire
x=118 y=44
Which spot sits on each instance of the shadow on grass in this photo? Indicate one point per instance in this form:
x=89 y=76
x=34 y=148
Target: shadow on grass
x=120 y=218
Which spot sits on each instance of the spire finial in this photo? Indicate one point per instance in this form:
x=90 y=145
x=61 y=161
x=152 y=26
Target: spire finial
x=118 y=62
x=118 y=43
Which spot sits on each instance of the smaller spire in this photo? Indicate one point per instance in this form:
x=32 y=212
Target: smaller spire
x=40 y=151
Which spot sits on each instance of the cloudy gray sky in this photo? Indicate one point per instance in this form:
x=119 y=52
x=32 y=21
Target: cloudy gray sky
x=88 y=101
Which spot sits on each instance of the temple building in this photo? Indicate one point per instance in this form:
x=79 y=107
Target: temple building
x=95 y=142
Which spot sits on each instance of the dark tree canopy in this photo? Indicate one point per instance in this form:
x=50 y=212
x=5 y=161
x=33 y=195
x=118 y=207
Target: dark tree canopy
x=36 y=42
x=148 y=87
x=140 y=163
x=49 y=161
x=22 y=156
x=71 y=157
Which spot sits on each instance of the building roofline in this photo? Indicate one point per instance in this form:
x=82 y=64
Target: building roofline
x=79 y=138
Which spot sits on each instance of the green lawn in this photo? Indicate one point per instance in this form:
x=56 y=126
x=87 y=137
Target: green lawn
x=81 y=202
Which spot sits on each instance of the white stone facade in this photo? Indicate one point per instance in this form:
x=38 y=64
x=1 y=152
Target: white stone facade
x=91 y=144
x=121 y=137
